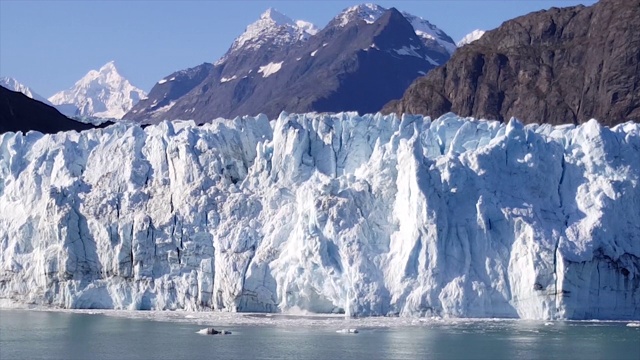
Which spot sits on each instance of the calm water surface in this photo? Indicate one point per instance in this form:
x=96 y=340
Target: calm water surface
x=58 y=335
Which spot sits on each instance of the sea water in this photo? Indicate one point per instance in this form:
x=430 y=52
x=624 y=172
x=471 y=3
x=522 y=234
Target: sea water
x=28 y=334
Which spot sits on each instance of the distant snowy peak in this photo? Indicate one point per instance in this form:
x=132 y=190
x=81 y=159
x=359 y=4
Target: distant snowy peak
x=101 y=93
x=471 y=37
x=428 y=31
x=15 y=85
x=273 y=28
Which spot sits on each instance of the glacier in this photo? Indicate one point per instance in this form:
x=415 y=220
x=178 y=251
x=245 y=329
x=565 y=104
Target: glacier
x=330 y=213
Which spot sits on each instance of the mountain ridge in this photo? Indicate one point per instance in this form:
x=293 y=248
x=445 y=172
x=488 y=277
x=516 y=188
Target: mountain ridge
x=251 y=78
x=19 y=112
x=15 y=85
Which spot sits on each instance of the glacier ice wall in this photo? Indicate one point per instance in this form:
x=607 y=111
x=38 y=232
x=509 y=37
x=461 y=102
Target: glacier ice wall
x=371 y=215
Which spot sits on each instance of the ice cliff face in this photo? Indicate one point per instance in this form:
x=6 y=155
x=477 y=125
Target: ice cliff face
x=368 y=215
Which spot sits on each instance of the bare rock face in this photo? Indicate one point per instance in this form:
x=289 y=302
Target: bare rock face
x=556 y=66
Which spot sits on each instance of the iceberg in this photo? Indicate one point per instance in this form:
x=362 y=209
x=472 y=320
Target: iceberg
x=327 y=213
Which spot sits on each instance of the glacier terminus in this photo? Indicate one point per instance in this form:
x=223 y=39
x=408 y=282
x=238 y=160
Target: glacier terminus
x=332 y=213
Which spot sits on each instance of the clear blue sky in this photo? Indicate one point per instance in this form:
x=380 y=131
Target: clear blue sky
x=48 y=45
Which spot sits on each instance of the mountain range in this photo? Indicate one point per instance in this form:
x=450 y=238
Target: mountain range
x=366 y=56
x=559 y=65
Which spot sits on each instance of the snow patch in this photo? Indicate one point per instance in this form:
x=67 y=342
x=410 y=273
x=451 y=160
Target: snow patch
x=270 y=69
x=425 y=30
x=225 y=79
x=408 y=51
x=431 y=61
x=471 y=37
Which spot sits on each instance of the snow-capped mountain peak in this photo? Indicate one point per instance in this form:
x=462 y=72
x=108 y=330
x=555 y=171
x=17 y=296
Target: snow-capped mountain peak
x=15 y=85
x=367 y=12
x=471 y=37
x=275 y=16
x=109 y=67
x=273 y=28
x=101 y=93
x=370 y=13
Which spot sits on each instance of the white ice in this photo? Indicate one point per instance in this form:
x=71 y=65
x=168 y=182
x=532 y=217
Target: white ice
x=270 y=69
x=337 y=214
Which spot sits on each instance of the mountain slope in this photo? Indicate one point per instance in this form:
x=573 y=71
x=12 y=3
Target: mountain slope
x=19 y=112
x=102 y=93
x=14 y=85
x=560 y=66
x=278 y=64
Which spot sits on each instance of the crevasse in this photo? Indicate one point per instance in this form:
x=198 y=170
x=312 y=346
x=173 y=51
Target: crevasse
x=371 y=215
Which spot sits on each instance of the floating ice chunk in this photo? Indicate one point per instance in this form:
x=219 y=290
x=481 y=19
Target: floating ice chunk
x=348 y=331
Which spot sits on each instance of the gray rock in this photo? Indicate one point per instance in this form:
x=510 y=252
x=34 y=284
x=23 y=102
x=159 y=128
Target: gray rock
x=556 y=66
x=212 y=331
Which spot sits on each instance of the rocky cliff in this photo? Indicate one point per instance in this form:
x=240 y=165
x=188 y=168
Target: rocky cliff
x=558 y=66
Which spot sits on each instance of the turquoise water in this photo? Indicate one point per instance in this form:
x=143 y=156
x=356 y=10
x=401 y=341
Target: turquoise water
x=59 y=335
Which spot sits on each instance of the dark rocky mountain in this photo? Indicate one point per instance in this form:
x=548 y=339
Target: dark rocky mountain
x=557 y=66
x=19 y=112
x=364 y=57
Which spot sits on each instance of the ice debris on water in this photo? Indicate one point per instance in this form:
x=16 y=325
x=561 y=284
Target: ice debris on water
x=348 y=331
